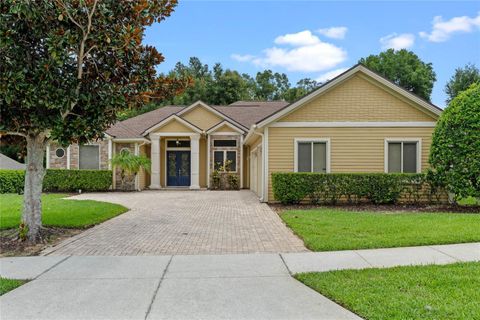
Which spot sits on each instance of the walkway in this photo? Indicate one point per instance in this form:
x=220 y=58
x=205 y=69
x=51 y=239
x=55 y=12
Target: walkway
x=254 y=286
x=183 y=222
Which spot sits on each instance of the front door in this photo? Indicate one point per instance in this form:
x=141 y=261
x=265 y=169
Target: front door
x=178 y=168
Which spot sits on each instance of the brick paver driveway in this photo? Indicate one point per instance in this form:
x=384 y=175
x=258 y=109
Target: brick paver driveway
x=183 y=222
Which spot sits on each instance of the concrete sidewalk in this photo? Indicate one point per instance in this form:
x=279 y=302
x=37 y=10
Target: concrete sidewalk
x=247 y=286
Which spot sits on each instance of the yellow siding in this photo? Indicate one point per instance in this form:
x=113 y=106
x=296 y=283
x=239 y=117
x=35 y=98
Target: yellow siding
x=201 y=117
x=174 y=126
x=359 y=98
x=224 y=128
x=352 y=149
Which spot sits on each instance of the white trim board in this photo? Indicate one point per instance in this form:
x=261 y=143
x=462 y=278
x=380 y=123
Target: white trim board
x=327 y=155
x=350 y=124
x=419 y=152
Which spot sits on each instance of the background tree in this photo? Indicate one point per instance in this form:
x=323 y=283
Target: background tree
x=462 y=80
x=455 y=151
x=405 y=69
x=129 y=164
x=304 y=87
x=67 y=68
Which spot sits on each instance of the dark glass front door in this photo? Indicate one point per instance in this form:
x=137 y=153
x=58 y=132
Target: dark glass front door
x=178 y=168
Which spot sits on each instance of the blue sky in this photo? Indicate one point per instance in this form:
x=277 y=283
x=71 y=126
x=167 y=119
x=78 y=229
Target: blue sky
x=318 y=39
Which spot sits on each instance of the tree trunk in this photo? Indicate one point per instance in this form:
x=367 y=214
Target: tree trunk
x=34 y=173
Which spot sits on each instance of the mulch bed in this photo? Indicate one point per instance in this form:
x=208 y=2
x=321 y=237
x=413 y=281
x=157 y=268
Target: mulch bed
x=279 y=208
x=10 y=245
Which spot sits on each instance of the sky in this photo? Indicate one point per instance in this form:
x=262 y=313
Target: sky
x=319 y=39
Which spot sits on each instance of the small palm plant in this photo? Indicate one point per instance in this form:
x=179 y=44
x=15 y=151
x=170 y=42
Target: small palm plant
x=130 y=164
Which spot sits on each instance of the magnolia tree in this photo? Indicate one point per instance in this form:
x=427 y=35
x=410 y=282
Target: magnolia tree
x=455 y=151
x=66 y=68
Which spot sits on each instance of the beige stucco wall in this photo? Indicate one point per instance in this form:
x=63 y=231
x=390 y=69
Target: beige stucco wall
x=351 y=149
x=359 y=98
x=201 y=117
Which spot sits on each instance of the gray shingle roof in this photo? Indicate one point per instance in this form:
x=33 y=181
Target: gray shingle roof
x=244 y=112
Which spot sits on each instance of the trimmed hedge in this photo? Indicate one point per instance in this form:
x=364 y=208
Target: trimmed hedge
x=59 y=180
x=378 y=188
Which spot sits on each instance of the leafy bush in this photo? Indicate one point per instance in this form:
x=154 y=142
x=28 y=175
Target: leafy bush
x=11 y=181
x=59 y=180
x=455 y=151
x=378 y=188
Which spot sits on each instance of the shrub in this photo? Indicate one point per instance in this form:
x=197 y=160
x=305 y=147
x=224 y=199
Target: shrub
x=455 y=151
x=378 y=188
x=11 y=181
x=59 y=180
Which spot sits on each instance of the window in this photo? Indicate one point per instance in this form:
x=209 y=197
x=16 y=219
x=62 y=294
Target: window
x=402 y=156
x=224 y=143
x=312 y=156
x=60 y=152
x=89 y=157
x=178 y=143
x=224 y=158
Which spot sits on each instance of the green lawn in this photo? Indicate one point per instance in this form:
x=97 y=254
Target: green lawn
x=58 y=212
x=9 y=284
x=417 y=292
x=332 y=229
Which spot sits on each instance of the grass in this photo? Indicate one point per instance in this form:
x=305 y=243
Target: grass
x=59 y=212
x=9 y=284
x=333 y=229
x=414 y=292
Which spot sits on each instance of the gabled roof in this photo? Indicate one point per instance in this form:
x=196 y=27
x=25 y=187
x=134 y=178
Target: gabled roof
x=228 y=124
x=171 y=118
x=242 y=114
x=359 y=68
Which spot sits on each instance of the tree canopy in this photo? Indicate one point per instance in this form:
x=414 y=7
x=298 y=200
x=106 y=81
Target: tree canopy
x=405 y=69
x=67 y=68
x=462 y=80
x=220 y=86
x=455 y=150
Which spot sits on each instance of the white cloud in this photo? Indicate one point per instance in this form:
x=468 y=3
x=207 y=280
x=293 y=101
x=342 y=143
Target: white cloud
x=397 y=41
x=309 y=54
x=334 y=32
x=303 y=38
x=330 y=75
x=442 y=30
x=242 y=57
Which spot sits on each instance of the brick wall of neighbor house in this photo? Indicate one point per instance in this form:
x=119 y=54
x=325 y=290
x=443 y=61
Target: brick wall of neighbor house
x=129 y=179
x=61 y=163
x=55 y=162
x=213 y=149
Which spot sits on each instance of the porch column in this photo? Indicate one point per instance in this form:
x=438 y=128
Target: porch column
x=155 y=159
x=195 y=161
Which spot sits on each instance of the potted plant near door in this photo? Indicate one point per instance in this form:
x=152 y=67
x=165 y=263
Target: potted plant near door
x=129 y=165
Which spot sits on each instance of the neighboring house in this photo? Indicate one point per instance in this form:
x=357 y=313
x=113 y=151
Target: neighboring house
x=357 y=122
x=10 y=164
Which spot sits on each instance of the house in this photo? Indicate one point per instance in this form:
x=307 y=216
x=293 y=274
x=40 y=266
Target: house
x=10 y=164
x=357 y=122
